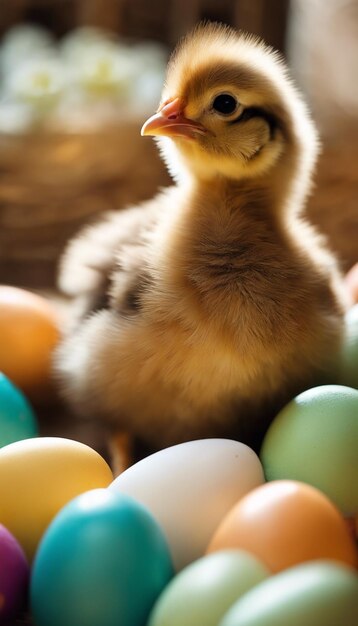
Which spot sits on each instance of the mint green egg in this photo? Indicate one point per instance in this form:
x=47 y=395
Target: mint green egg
x=320 y=593
x=314 y=439
x=348 y=374
x=202 y=593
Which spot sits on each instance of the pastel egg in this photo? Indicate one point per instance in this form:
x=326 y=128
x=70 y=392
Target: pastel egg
x=314 y=439
x=322 y=593
x=349 y=356
x=14 y=576
x=285 y=523
x=17 y=419
x=29 y=333
x=190 y=487
x=38 y=477
x=103 y=561
x=201 y=594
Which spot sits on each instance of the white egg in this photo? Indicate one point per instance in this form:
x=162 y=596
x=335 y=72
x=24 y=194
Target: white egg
x=190 y=487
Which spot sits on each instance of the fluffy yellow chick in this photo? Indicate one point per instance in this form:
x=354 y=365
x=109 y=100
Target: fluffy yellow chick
x=206 y=309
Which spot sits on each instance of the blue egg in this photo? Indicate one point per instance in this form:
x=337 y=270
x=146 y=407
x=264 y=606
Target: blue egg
x=17 y=419
x=102 y=561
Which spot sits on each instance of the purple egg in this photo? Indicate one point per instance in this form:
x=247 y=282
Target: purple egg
x=14 y=575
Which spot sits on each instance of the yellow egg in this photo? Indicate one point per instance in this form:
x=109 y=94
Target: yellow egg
x=38 y=477
x=29 y=332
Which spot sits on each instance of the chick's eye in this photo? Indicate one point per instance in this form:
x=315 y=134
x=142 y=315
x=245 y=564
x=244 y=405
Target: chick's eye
x=225 y=104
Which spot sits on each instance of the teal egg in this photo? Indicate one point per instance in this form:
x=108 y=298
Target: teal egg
x=314 y=439
x=348 y=374
x=203 y=592
x=102 y=561
x=17 y=419
x=313 y=594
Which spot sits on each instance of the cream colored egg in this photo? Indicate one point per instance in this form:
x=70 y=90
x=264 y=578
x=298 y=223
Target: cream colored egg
x=190 y=487
x=38 y=477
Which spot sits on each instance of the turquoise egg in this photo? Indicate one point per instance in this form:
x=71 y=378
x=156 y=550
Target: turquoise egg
x=314 y=439
x=102 y=561
x=313 y=594
x=17 y=419
x=348 y=374
x=203 y=592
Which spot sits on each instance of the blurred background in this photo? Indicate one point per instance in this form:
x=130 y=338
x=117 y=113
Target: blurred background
x=79 y=77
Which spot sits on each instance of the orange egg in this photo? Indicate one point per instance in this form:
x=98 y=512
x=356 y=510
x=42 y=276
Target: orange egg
x=285 y=523
x=29 y=333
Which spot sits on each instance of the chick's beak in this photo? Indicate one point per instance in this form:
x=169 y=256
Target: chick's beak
x=171 y=122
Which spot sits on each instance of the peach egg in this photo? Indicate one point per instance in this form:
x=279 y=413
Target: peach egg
x=284 y=523
x=29 y=332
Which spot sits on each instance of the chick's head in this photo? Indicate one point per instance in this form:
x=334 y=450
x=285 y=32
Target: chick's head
x=228 y=108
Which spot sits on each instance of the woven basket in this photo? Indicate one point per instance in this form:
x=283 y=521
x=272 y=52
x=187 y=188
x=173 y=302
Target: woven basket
x=52 y=183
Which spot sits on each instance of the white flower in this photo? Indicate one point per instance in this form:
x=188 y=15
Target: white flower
x=102 y=71
x=75 y=46
x=38 y=82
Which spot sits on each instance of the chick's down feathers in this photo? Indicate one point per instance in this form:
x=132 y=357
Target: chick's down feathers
x=206 y=309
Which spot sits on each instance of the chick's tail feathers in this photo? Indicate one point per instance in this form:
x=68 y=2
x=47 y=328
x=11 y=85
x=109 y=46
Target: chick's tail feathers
x=118 y=243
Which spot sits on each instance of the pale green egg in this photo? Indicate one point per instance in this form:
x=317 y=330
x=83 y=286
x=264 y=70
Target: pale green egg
x=314 y=439
x=320 y=593
x=203 y=592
